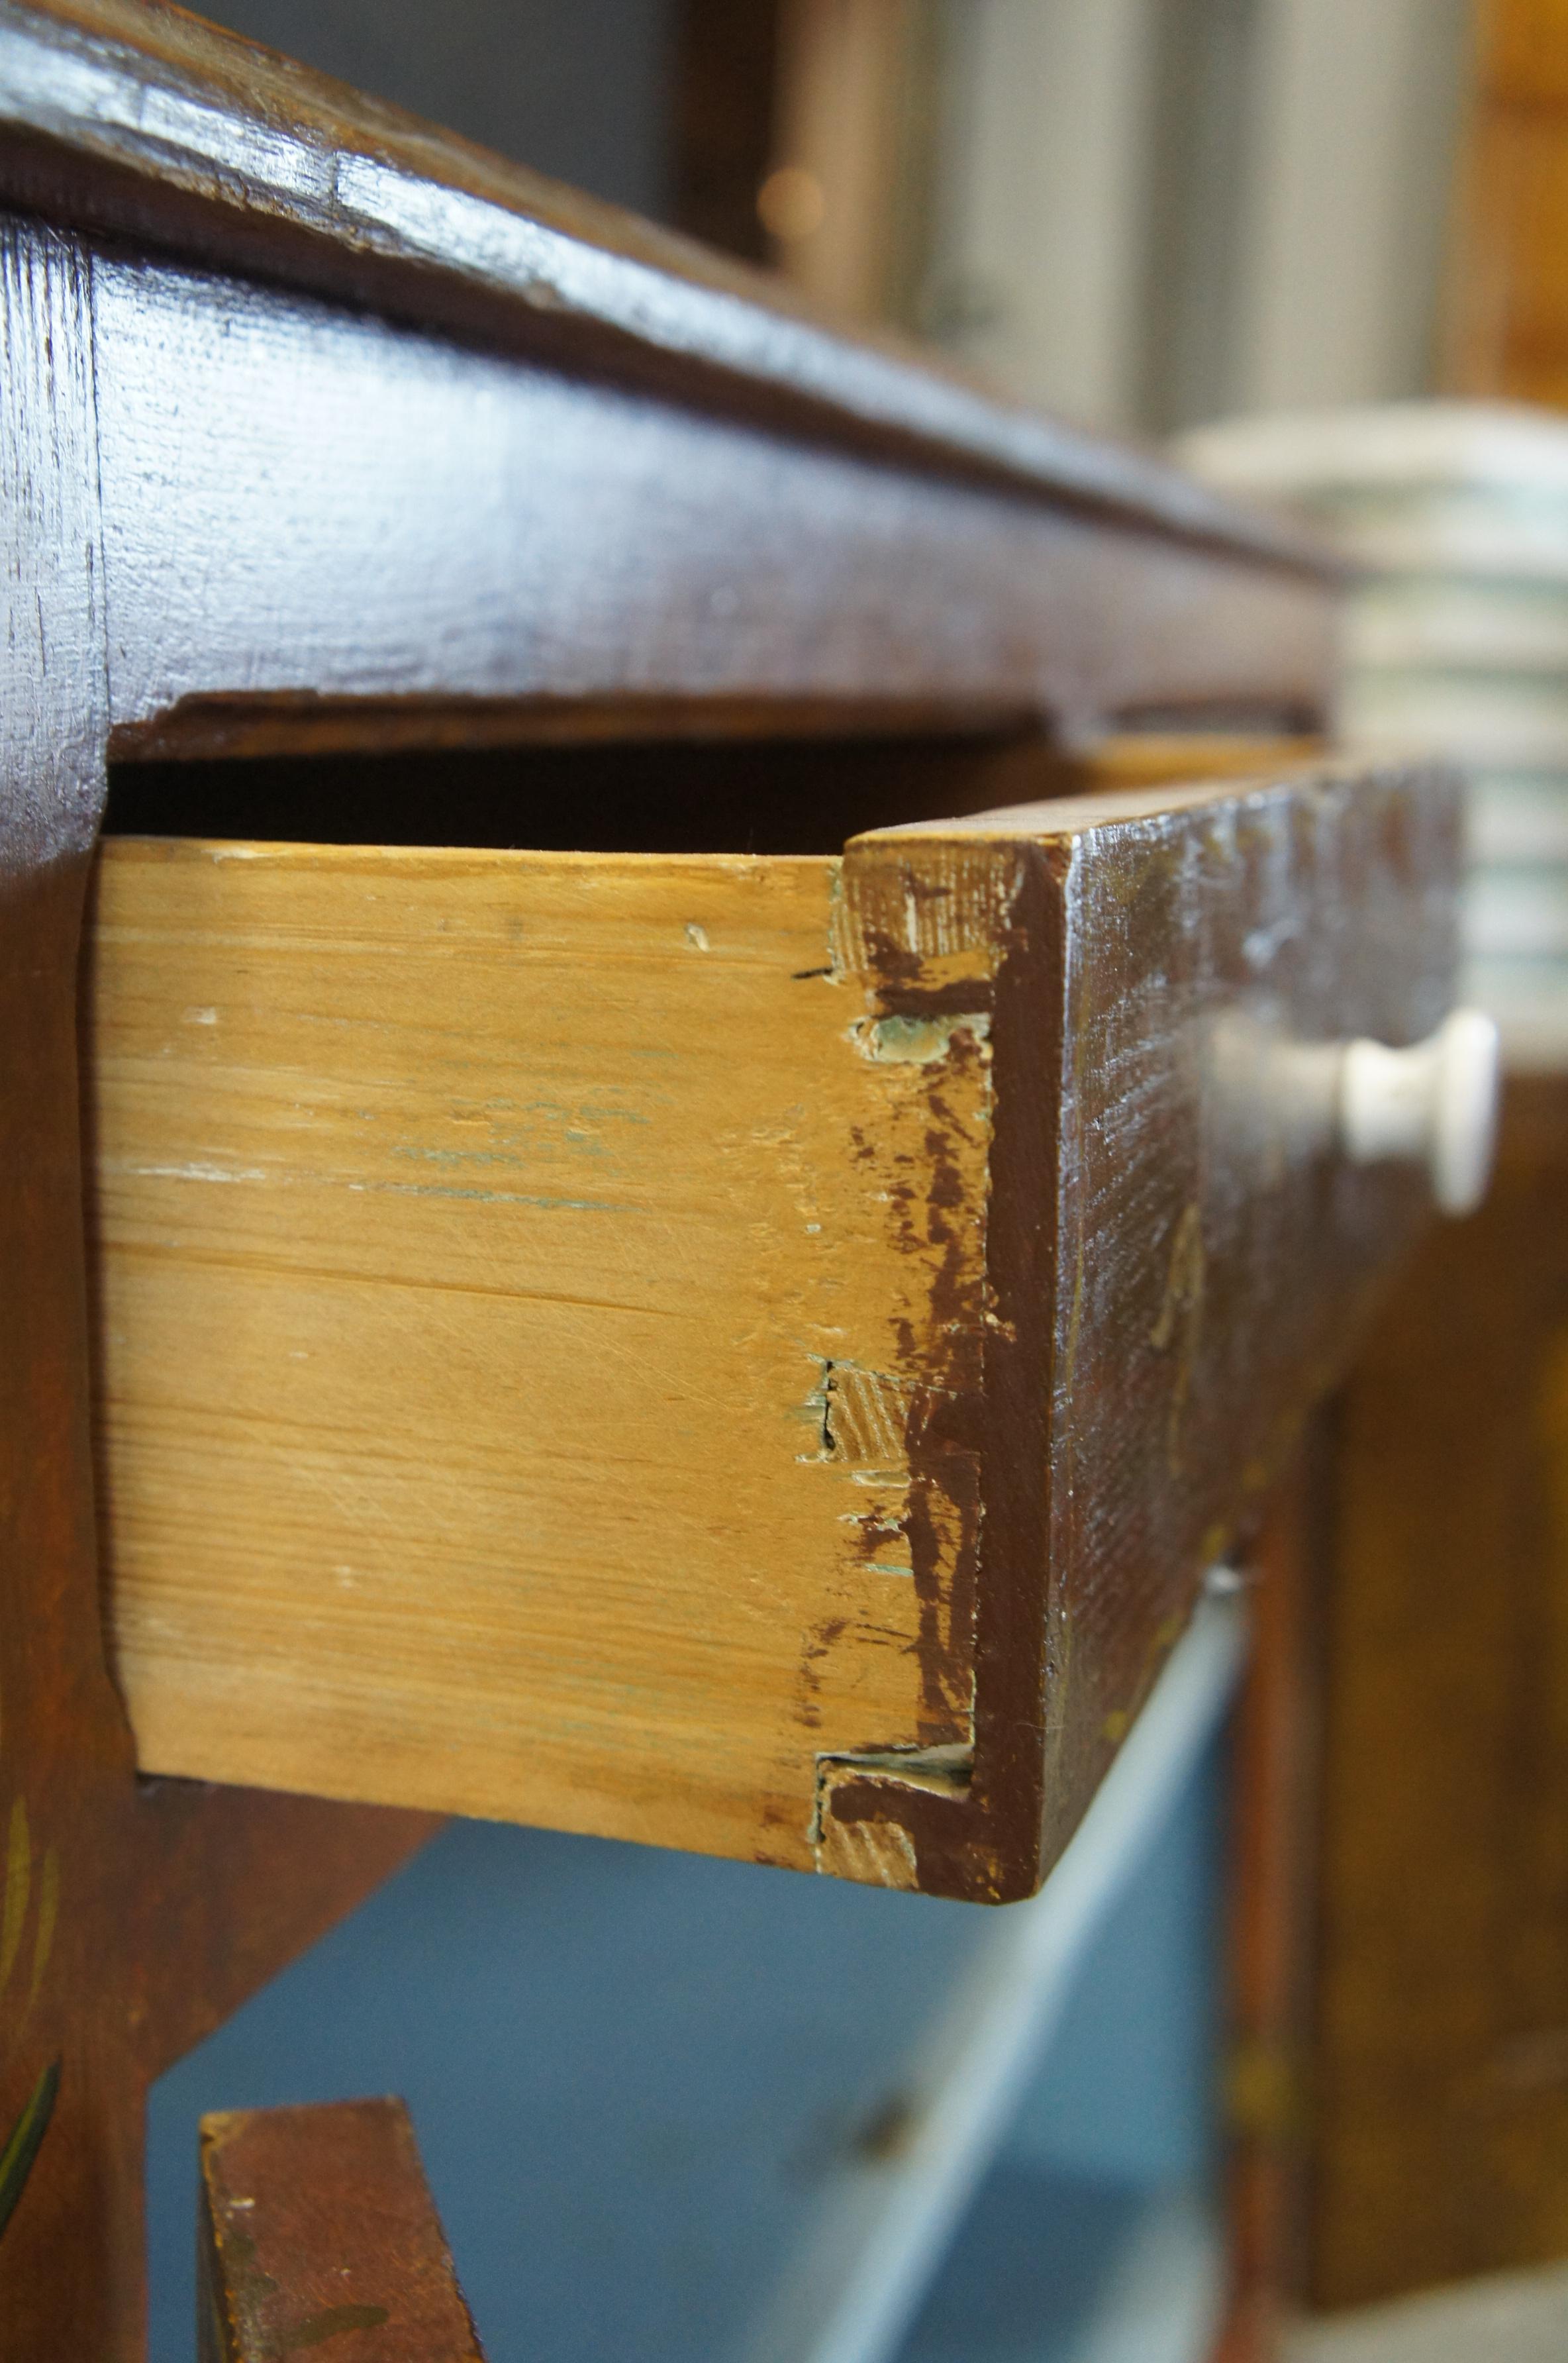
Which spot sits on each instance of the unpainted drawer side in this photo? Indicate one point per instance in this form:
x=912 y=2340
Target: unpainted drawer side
x=513 y=1283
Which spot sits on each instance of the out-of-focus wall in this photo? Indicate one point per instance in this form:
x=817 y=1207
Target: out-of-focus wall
x=1345 y=203
x=1153 y=212
x=1044 y=179
x=576 y=88
x=1145 y=213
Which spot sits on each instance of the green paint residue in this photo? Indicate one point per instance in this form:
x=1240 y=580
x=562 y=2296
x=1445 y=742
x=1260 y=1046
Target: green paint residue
x=918 y=1041
x=25 y=2139
x=499 y=1198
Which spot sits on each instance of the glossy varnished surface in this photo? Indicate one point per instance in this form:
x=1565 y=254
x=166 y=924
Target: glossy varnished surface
x=125 y=114
x=304 y=505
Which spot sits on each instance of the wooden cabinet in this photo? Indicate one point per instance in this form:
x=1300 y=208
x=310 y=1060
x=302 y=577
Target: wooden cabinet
x=751 y=1345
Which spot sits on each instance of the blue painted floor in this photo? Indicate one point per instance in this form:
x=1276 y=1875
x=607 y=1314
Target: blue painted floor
x=628 y=2071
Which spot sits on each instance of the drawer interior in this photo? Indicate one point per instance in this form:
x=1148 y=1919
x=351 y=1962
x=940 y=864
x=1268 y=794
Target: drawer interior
x=805 y=793
x=778 y=796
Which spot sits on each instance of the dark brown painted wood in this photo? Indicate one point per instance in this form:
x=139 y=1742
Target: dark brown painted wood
x=1275 y=1756
x=304 y=505
x=1177 y=1264
x=315 y=2224
x=132 y=1920
x=1441 y=2077
x=315 y=419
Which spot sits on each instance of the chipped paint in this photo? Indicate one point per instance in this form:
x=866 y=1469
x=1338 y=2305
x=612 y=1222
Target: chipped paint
x=931 y=909
x=861 y=1417
x=920 y=1041
x=940 y=1770
x=876 y=1854
x=921 y=933
x=886 y=1362
x=877 y=1848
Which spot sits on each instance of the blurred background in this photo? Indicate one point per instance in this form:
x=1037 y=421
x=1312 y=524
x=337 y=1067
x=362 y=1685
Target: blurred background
x=1321 y=246
x=1147 y=213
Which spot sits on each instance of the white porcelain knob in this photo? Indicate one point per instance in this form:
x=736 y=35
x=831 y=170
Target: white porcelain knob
x=1435 y=1105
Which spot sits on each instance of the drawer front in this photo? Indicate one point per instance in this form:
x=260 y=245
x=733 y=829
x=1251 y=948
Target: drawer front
x=753 y=1355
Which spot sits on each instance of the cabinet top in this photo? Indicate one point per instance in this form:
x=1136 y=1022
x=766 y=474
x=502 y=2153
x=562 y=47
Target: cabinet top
x=136 y=119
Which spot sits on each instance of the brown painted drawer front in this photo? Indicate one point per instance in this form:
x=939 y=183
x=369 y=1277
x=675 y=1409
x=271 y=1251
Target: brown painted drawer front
x=747 y=1354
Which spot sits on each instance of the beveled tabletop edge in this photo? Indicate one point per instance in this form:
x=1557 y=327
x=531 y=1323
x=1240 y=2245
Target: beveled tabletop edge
x=265 y=165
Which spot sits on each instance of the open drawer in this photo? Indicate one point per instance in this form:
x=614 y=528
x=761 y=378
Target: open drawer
x=750 y=1354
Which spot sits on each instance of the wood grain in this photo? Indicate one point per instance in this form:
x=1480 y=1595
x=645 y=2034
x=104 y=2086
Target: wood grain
x=673 y=1347
x=549 y=1196
x=320 y=428
x=317 y=2223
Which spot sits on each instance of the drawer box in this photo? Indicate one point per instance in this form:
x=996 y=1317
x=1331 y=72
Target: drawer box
x=748 y=1354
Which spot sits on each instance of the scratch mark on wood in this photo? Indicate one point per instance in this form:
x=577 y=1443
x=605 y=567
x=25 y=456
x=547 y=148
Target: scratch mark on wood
x=1180 y=1324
